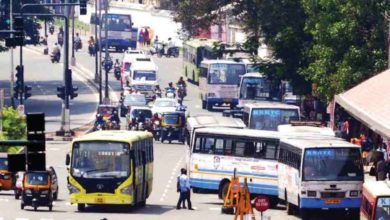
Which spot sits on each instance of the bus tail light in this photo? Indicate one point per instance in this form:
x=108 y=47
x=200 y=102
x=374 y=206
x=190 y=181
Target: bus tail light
x=127 y=190
x=311 y=193
x=354 y=193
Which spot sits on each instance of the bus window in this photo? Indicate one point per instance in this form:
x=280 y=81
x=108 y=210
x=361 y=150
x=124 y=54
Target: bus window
x=265 y=150
x=208 y=147
x=228 y=147
x=382 y=211
x=198 y=142
x=218 y=146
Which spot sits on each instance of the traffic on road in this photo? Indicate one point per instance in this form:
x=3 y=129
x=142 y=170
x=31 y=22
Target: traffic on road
x=155 y=130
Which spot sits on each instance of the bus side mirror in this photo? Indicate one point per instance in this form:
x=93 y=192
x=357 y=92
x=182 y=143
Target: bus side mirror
x=67 y=160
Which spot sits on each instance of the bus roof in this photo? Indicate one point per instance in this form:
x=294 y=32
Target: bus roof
x=317 y=142
x=306 y=130
x=269 y=104
x=213 y=121
x=253 y=74
x=207 y=62
x=115 y=136
x=199 y=42
x=239 y=132
x=377 y=188
x=144 y=65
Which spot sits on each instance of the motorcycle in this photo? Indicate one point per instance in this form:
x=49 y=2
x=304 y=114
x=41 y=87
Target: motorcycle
x=181 y=92
x=157 y=94
x=55 y=58
x=91 y=49
x=156 y=130
x=170 y=93
x=117 y=72
x=99 y=126
x=113 y=125
x=77 y=45
x=172 y=51
x=51 y=30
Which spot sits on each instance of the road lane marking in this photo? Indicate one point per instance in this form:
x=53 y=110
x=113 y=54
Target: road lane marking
x=197 y=106
x=4 y=200
x=215 y=209
x=21 y=219
x=168 y=186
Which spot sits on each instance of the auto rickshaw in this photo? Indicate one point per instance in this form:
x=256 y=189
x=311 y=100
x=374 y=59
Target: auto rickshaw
x=37 y=190
x=6 y=177
x=172 y=127
x=107 y=111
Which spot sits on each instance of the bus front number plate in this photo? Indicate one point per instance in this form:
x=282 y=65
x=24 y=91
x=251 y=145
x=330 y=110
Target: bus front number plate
x=332 y=201
x=99 y=200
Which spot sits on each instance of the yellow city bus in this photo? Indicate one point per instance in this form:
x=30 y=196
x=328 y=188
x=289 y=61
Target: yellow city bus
x=194 y=51
x=111 y=167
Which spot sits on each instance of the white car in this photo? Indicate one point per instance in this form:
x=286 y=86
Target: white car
x=164 y=105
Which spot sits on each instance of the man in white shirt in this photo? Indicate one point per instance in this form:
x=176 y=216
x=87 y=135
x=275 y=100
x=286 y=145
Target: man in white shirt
x=184 y=188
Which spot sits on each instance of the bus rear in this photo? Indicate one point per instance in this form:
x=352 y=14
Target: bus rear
x=219 y=82
x=120 y=32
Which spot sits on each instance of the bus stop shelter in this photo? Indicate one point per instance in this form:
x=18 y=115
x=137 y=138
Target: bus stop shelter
x=369 y=103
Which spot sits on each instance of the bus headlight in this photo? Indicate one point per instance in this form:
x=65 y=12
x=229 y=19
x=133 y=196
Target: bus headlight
x=73 y=189
x=311 y=193
x=210 y=94
x=127 y=190
x=354 y=193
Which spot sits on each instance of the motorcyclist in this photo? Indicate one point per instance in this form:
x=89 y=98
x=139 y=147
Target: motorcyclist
x=182 y=85
x=180 y=107
x=117 y=68
x=170 y=89
x=77 y=41
x=171 y=44
x=114 y=117
x=157 y=91
x=141 y=117
x=91 y=46
x=56 y=53
x=156 y=118
x=99 y=120
x=60 y=36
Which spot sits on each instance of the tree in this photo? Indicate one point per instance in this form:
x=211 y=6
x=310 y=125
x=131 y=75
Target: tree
x=14 y=126
x=348 y=43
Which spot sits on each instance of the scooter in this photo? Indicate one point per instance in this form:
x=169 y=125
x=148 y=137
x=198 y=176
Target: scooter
x=172 y=51
x=170 y=93
x=55 y=58
x=156 y=130
x=117 y=72
x=91 y=49
x=181 y=92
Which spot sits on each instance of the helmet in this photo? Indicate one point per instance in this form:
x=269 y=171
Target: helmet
x=169 y=38
x=155 y=115
x=170 y=84
x=115 y=112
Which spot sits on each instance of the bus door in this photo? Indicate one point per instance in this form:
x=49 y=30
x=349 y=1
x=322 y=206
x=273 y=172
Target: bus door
x=144 y=180
x=134 y=158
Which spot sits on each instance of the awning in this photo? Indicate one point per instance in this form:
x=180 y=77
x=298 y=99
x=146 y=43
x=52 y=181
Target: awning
x=369 y=102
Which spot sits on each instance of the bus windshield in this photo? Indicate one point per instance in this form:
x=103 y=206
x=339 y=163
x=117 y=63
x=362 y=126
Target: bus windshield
x=228 y=74
x=100 y=160
x=117 y=22
x=382 y=210
x=145 y=75
x=3 y=164
x=332 y=164
x=270 y=119
x=254 y=88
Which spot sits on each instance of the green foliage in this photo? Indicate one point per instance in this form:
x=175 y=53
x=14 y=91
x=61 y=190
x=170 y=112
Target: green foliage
x=349 y=43
x=14 y=126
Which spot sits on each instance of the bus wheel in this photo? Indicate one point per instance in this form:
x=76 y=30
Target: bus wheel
x=209 y=106
x=204 y=104
x=305 y=214
x=81 y=207
x=195 y=190
x=274 y=201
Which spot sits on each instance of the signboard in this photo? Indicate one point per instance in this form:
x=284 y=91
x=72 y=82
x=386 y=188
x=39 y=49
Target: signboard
x=261 y=203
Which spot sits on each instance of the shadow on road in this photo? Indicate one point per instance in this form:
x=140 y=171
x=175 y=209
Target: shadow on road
x=149 y=209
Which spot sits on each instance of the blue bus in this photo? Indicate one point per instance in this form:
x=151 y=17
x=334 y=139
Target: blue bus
x=121 y=34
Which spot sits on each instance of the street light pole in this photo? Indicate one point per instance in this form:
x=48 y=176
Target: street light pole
x=106 y=96
x=73 y=60
x=12 y=56
x=100 y=53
